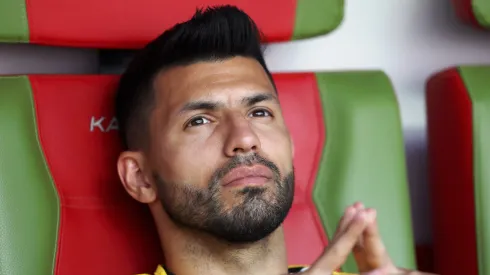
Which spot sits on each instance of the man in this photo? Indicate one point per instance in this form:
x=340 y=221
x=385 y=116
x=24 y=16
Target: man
x=209 y=152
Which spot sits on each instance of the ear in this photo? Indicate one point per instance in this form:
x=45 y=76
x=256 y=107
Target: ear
x=130 y=167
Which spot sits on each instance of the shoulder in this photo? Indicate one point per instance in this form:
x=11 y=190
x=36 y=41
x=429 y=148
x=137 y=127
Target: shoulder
x=291 y=269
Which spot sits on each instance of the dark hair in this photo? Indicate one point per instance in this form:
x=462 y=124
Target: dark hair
x=217 y=33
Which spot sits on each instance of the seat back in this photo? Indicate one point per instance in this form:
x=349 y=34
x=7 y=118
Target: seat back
x=473 y=12
x=63 y=210
x=133 y=23
x=363 y=159
x=458 y=108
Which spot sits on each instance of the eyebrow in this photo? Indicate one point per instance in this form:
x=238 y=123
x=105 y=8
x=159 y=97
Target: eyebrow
x=254 y=99
x=214 y=105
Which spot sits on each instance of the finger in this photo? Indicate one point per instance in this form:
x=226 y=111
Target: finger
x=349 y=213
x=358 y=250
x=374 y=248
x=359 y=244
x=358 y=205
x=337 y=251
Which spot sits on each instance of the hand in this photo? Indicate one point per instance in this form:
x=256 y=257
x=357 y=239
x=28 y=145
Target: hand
x=370 y=253
x=347 y=235
x=357 y=232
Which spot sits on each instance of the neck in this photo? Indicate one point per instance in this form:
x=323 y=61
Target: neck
x=188 y=252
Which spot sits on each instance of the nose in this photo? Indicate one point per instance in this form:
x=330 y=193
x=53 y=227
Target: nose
x=241 y=137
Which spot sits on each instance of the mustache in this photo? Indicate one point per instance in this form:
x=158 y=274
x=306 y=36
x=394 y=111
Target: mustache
x=247 y=160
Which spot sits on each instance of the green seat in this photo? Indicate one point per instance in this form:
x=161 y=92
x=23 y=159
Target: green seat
x=364 y=159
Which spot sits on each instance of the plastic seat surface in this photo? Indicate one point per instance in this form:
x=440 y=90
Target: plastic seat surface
x=133 y=23
x=473 y=12
x=63 y=210
x=458 y=104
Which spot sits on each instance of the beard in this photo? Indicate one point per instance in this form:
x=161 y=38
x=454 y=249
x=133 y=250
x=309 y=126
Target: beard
x=258 y=211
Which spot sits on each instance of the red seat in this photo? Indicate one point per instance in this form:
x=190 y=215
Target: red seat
x=133 y=23
x=457 y=153
x=458 y=101
x=63 y=210
x=473 y=12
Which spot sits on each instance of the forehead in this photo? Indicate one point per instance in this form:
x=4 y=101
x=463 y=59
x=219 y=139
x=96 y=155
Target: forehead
x=218 y=80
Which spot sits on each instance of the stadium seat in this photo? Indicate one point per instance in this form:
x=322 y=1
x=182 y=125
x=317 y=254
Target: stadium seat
x=64 y=212
x=473 y=12
x=133 y=23
x=458 y=108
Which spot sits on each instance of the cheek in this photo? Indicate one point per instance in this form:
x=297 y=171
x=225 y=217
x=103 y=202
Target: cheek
x=277 y=147
x=188 y=162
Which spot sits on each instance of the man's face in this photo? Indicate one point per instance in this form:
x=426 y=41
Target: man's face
x=220 y=152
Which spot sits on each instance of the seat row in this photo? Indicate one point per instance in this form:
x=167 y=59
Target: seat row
x=60 y=199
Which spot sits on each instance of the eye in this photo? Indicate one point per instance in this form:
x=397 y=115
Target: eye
x=197 y=121
x=260 y=113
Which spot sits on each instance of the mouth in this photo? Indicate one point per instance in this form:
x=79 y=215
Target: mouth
x=247 y=175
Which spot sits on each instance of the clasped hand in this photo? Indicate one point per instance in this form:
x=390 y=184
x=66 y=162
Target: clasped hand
x=358 y=233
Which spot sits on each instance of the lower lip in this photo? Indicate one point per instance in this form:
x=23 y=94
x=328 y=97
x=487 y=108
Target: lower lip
x=249 y=181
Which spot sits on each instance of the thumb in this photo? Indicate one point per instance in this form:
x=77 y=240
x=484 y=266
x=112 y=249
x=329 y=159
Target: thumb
x=375 y=250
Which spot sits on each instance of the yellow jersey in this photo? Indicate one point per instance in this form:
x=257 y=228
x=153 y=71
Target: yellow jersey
x=292 y=269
